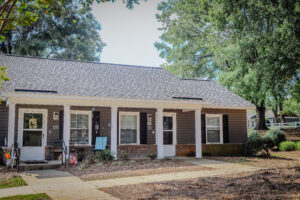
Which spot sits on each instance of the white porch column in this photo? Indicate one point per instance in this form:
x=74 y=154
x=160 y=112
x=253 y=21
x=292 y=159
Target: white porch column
x=11 y=124
x=198 y=133
x=67 y=122
x=114 y=131
x=159 y=133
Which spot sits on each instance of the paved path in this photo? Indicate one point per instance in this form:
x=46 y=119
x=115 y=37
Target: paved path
x=219 y=168
x=58 y=185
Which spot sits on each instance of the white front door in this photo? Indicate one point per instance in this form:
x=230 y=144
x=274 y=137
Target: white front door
x=32 y=133
x=169 y=131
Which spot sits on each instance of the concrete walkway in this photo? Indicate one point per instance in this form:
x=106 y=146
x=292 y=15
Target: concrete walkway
x=218 y=168
x=58 y=185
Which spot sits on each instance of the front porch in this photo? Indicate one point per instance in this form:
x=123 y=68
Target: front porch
x=134 y=128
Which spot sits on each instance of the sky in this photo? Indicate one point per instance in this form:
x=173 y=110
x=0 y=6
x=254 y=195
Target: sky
x=129 y=35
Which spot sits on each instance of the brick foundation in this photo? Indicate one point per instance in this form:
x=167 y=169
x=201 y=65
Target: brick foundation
x=210 y=149
x=137 y=151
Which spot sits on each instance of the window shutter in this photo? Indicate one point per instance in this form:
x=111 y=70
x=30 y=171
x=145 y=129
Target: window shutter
x=143 y=128
x=225 y=129
x=95 y=121
x=61 y=125
x=203 y=129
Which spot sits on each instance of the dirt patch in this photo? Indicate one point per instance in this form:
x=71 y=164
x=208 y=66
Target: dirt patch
x=278 y=159
x=117 y=169
x=281 y=183
x=7 y=173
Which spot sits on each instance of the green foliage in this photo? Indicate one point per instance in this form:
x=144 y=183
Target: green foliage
x=152 y=156
x=251 y=46
x=3 y=76
x=90 y=158
x=41 y=196
x=69 y=32
x=276 y=135
x=12 y=182
x=105 y=155
x=298 y=145
x=287 y=146
x=252 y=146
x=253 y=134
x=124 y=156
x=291 y=106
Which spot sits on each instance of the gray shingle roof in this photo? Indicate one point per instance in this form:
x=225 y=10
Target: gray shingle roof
x=110 y=80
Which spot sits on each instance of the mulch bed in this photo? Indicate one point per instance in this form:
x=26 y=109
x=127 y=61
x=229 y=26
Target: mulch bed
x=7 y=173
x=121 y=166
x=280 y=183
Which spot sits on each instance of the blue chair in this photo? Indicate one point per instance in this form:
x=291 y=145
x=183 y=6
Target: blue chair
x=100 y=144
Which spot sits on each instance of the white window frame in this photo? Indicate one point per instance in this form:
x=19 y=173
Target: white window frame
x=138 y=127
x=44 y=129
x=173 y=115
x=220 y=116
x=89 y=113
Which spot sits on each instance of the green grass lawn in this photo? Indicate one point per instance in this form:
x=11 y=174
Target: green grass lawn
x=12 y=182
x=41 y=196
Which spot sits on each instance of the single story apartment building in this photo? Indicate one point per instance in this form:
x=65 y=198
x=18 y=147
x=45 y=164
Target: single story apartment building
x=139 y=109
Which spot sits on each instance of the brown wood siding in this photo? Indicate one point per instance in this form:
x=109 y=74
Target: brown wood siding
x=237 y=122
x=3 y=122
x=52 y=134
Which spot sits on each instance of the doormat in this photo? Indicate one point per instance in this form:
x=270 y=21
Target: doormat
x=35 y=162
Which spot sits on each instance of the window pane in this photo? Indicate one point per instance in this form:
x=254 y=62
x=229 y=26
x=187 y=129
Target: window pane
x=168 y=123
x=85 y=121
x=73 y=121
x=213 y=136
x=33 y=121
x=79 y=136
x=128 y=136
x=213 y=123
x=168 y=137
x=79 y=121
x=32 y=138
x=128 y=122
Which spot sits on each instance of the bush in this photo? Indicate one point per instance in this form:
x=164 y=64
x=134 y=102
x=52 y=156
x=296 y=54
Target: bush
x=105 y=155
x=124 y=156
x=298 y=145
x=253 y=145
x=253 y=134
x=90 y=159
x=152 y=156
x=276 y=135
x=287 y=146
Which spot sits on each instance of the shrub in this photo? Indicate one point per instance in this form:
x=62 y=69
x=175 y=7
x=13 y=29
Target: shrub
x=253 y=134
x=105 y=155
x=287 y=146
x=124 y=156
x=298 y=145
x=90 y=159
x=253 y=145
x=276 y=135
x=267 y=144
x=152 y=156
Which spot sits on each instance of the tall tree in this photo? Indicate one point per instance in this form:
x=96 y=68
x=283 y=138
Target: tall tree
x=252 y=46
x=70 y=32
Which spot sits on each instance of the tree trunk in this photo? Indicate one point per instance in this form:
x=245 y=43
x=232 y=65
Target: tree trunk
x=260 y=118
x=281 y=114
x=275 y=116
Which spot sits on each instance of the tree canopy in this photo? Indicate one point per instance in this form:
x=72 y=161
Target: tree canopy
x=69 y=32
x=252 y=47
